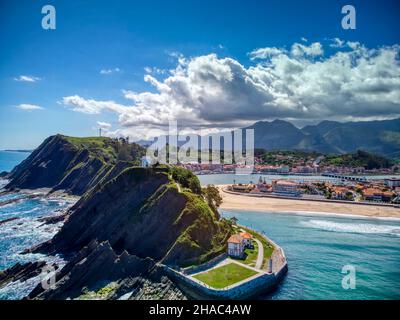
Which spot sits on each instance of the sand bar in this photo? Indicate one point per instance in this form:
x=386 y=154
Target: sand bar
x=250 y=203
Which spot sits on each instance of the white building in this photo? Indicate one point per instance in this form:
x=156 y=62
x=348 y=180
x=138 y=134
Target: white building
x=246 y=238
x=393 y=182
x=285 y=187
x=236 y=245
x=145 y=162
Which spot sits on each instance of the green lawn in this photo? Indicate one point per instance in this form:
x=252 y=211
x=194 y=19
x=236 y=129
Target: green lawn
x=268 y=247
x=251 y=255
x=225 y=276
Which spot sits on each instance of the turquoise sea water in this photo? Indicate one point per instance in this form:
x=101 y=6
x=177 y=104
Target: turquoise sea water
x=316 y=246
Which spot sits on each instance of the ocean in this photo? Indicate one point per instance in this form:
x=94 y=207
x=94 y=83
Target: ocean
x=25 y=231
x=317 y=246
x=9 y=159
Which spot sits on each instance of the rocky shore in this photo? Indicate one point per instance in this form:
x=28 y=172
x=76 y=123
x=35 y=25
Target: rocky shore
x=118 y=234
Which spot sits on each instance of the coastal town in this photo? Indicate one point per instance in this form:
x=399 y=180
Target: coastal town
x=376 y=191
x=289 y=163
x=359 y=177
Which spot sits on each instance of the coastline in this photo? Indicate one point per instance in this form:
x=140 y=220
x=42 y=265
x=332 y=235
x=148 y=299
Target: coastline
x=304 y=207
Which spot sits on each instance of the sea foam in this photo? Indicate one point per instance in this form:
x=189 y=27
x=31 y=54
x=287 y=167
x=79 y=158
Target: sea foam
x=353 y=227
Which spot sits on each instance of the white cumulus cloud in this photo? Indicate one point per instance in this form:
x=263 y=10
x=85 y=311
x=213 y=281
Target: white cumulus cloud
x=313 y=50
x=207 y=91
x=103 y=125
x=27 y=106
x=264 y=53
x=25 y=78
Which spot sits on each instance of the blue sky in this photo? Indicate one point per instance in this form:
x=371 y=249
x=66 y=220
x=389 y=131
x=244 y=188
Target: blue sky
x=129 y=39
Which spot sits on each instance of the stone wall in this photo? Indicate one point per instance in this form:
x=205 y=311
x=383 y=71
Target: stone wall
x=261 y=284
x=204 y=266
x=252 y=288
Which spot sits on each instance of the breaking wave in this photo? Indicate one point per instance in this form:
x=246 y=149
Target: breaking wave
x=353 y=227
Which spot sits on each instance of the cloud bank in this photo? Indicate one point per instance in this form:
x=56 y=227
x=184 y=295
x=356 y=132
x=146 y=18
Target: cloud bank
x=352 y=83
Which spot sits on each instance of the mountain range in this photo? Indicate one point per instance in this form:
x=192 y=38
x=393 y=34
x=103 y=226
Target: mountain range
x=380 y=137
x=327 y=137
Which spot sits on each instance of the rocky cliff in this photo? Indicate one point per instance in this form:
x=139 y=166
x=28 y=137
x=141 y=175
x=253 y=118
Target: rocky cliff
x=73 y=164
x=120 y=232
x=145 y=212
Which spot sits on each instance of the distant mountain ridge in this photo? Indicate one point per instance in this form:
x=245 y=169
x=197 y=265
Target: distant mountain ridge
x=328 y=137
x=380 y=137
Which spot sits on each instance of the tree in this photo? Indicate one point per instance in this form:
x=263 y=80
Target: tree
x=233 y=220
x=213 y=198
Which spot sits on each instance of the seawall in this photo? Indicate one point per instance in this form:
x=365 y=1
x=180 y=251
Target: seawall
x=263 y=283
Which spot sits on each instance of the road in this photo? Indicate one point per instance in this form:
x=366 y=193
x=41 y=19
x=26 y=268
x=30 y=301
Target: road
x=260 y=255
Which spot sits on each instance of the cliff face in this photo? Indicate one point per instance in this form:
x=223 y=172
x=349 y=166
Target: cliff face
x=120 y=229
x=142 y=211
x=128 y=220
x=73 y=164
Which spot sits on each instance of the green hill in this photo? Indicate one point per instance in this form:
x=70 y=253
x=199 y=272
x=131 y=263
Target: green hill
x=74 y=164
x=359 y=159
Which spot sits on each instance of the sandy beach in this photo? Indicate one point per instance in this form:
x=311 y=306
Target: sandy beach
x=244 y=202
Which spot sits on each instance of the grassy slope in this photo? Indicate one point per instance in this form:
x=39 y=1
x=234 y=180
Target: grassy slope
x=188 y=231
x=107 y=149
x=251 y=255
x=203 y=222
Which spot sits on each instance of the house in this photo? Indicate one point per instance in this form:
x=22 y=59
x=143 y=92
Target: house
x=246 y=238
x=236 y=246
x=285 y=188
x=374 y=194
x=242 y=187
x=340 y=193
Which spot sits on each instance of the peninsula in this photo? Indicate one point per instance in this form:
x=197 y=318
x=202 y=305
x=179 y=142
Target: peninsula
x=135 y=231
